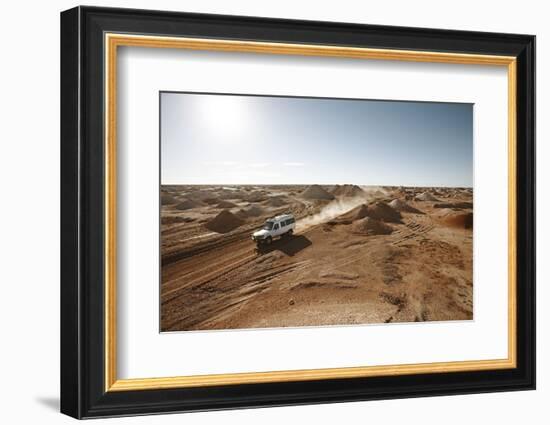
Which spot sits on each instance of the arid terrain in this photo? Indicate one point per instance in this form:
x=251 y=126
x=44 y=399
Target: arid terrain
x=358 y=255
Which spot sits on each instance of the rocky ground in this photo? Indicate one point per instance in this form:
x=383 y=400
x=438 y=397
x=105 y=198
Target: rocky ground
x=359 y=255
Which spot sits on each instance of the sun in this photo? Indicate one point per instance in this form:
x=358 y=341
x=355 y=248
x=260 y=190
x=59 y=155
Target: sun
x=224 y=117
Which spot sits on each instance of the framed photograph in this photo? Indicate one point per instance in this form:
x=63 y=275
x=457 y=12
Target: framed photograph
x=261 y=212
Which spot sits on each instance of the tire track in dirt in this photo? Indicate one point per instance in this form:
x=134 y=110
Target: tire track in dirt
x=234 y=301
x=205 y=278
x=229 y=297
x=202 y=264
x=224 y=298
x=413 y=230
x=211 y=264
x=204 y=247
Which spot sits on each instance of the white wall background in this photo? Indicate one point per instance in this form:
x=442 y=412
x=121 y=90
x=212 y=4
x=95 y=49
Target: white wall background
x=29 y=217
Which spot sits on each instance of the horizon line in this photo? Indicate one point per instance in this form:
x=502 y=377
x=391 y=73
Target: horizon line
x=309 y=184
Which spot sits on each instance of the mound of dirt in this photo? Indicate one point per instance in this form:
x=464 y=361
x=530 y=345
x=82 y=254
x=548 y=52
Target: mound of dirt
x=401 y=206
x=426 y=196
x=383 y=212
x=256 y=196
x=224 y=222
x=198 y=194
x=460 y=220
x=166 y=199
x=171 y=219
x=378 y=211
x=356 y=213
x=370 y=226
x=211 y=201
x=187 y=204
x=230 y=194
x=347 y=191
x=252 y=211
x=316 y=192
x=226 y=204
x=459 y=205
x=276 y=201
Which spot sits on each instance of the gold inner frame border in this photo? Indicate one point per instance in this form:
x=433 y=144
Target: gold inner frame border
x=112 y=41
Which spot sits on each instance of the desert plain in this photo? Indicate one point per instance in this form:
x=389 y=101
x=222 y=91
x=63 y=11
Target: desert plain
x=359 y=255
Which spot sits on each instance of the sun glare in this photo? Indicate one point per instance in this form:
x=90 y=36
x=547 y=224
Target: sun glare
x=224 y=117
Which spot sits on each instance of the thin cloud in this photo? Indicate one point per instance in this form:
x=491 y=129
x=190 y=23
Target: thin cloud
x=294 y=164
x=259 y=164
x=221 y=163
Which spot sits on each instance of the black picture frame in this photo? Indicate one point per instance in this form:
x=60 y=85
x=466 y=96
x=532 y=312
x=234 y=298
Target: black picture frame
x=83 y=392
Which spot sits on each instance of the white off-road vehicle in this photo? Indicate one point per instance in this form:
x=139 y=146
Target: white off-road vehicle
x=281 y=225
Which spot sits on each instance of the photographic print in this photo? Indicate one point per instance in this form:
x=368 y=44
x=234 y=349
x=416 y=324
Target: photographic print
x=311 y=211
x=283 y=211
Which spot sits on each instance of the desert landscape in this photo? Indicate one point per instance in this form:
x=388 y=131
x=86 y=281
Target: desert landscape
x=359 y=254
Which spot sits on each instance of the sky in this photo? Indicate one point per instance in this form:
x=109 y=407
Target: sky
x=240 y=139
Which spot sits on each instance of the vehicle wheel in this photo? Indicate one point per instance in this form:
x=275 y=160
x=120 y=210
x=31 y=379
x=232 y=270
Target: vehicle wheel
x=268 y=240
x=289 y=233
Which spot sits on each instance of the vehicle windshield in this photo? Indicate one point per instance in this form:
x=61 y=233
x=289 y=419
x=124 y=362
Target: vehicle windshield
x=268 y=225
